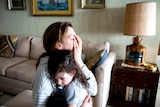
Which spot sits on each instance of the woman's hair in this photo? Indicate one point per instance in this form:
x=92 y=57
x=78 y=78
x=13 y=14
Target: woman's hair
x=63 y=61
x=53 y=34
x=56 y=100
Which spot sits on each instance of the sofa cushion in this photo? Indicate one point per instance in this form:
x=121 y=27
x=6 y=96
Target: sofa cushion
x=7 y=62
x=90 y=48
x=23 y=71
x=36 y=48
x=23 y=99
x=23 y=47
x=8 y=45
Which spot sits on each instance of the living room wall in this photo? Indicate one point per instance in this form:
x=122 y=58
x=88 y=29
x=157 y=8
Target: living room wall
x=97 y=25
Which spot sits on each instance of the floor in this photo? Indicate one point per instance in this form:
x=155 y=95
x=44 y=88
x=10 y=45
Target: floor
x=5 y=97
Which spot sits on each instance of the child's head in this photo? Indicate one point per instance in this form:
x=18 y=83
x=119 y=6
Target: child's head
x=63 y=69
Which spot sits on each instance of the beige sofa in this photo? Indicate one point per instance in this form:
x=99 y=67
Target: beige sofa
x=16 y=73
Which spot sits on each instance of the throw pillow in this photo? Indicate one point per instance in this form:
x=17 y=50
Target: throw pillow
x=7 y=45
x=97 y=59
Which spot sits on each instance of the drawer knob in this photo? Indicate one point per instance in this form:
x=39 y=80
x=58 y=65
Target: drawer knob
x=123 y=81
x=123 y=75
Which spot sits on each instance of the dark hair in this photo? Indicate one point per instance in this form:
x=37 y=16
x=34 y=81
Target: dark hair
x=51 y=35
x=56 y=101
x=63 y=61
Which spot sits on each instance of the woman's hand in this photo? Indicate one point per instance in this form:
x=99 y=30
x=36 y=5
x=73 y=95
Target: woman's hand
x=87 y=102
x=77 y=48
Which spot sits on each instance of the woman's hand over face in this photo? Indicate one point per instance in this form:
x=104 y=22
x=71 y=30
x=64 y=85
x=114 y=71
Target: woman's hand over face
x=77 y=48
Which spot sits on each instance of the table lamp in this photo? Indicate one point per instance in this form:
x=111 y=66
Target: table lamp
x=140 y=20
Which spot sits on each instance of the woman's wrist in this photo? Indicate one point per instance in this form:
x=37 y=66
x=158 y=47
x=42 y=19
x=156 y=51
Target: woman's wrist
x=82 y=66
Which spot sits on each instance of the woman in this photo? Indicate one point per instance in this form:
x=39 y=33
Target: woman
x=61 y=36
x=67 y=75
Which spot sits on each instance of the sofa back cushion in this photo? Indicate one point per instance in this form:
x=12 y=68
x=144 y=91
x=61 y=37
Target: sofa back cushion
x=36 y=48
x=23 y=46
x=90 y=48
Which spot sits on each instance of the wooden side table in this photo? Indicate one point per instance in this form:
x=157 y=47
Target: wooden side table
x=132 y=87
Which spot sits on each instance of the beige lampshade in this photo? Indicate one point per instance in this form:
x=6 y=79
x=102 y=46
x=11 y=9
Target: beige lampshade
x=140 y=19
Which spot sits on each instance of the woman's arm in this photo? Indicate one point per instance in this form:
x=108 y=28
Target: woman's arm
x=71 y=105
x=87 y=102
x=92 y=89
x=77 y=46
x=77 y=56
x=42 y=86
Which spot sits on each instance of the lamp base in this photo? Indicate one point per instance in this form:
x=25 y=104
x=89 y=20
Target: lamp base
x=135 y=53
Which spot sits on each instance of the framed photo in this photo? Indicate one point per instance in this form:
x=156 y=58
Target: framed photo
x=52 y=7
x=16 y=5
x=92 y=4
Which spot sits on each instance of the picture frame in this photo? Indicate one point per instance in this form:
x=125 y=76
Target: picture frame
x=55 y=8
x=92 y=4
x=16 y=4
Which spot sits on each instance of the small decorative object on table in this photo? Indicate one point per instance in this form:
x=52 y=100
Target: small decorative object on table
x=151 y=66
x=148 y=66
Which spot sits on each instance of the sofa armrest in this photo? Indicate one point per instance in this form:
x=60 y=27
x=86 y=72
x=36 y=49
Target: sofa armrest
x=103 y=77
